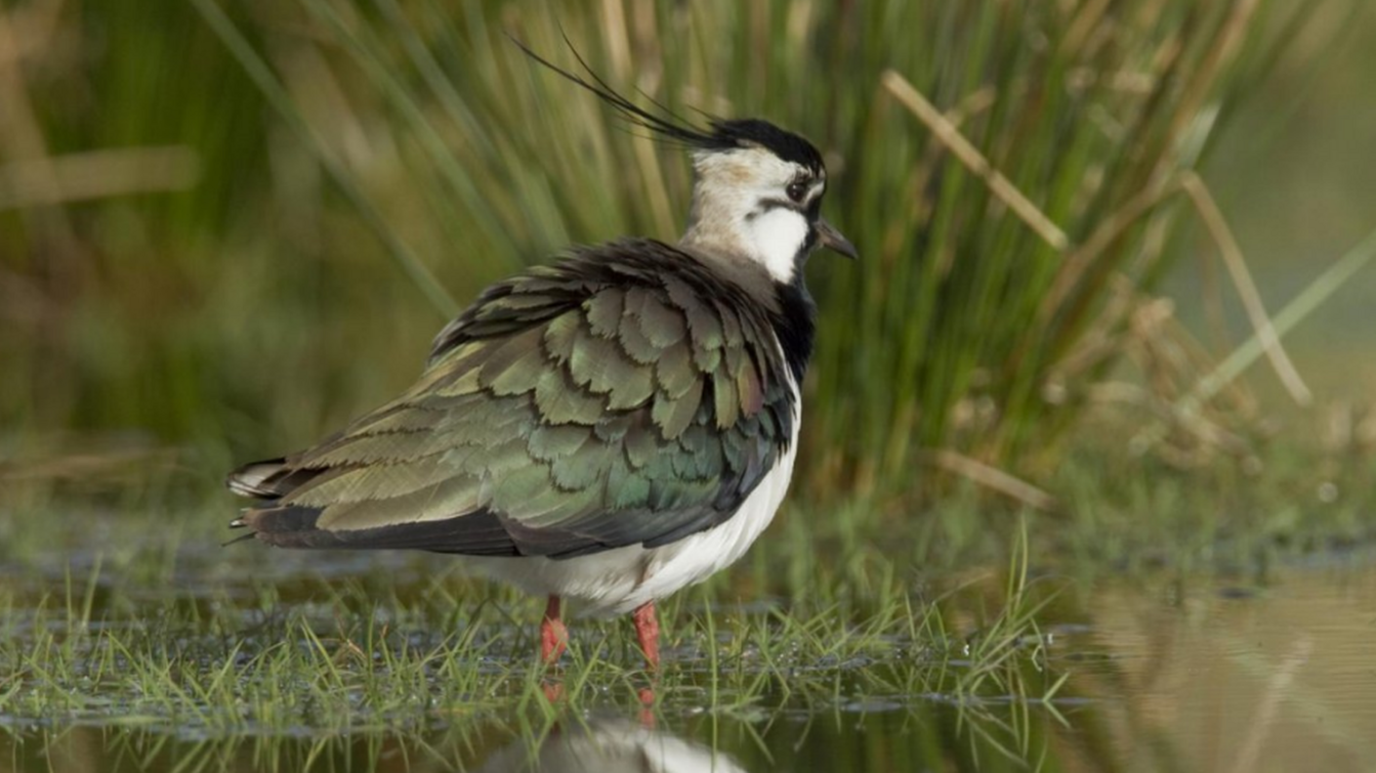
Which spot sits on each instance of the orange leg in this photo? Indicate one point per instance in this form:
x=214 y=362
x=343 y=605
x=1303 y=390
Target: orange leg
x=554 y=636
x=647 y=631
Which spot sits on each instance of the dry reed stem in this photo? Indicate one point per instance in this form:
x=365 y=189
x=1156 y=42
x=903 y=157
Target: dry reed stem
x=96 y=174
x=1231 y=254
x=947 y=134
x=1222 y=51
x=1161 y=184
x=1263 y=722
x=22 y=138
x=1114 y=226
x=1087 y=19
x=993 y=479
x=33 y=29
x=1109 y=230
x=617 y=37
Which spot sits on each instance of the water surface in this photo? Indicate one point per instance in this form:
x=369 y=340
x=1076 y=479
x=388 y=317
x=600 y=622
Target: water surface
x=1195 y=673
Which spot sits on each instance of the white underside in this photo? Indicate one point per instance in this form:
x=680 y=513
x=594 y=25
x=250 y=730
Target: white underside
x=612 y=746
x=619 y=580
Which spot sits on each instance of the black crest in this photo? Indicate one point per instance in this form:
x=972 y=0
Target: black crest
x=784 y=144
x=719 y=134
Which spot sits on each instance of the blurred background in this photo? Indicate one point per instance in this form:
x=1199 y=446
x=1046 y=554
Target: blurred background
x=226 y=228
x=229 y=226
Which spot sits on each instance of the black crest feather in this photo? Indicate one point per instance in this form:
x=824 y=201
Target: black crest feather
x=719 y=134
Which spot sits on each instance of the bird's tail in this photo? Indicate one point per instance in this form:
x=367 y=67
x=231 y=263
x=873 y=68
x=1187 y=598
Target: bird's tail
x=261 y=480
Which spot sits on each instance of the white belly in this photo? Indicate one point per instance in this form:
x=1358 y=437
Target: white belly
x=619 y=580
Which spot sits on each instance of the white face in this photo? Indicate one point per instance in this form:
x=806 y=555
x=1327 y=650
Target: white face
x=751 y=203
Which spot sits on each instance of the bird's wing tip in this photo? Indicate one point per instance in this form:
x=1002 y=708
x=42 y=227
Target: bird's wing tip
x=240 y=538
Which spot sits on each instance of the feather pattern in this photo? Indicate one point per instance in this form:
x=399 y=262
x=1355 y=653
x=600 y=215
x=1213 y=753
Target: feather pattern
x=629 y=395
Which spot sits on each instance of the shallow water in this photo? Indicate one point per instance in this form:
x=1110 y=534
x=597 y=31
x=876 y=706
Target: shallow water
x=1205 y=676
x=1162 y=673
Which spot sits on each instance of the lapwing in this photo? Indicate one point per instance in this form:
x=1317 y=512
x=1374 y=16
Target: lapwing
x=609 y=428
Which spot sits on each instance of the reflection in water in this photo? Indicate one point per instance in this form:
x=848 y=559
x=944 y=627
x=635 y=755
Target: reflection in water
x=1202 y=676
x=573 y=745
x=611 y=745
x=1163 y=674
x=928 y=736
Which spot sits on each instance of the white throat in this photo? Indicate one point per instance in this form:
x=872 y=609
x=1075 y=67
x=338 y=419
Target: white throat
x=740 y=211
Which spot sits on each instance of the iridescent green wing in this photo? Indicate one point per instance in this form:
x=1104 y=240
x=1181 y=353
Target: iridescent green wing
x=615 y=399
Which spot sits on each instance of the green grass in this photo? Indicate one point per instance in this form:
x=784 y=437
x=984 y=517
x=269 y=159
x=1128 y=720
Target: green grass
x=154 y=632
x=141 y=601
x=167 y=637
x=951 y=629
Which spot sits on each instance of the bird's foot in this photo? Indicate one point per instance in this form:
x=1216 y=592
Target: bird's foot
x=647 y=708
x=554 y=691
x=554 y=635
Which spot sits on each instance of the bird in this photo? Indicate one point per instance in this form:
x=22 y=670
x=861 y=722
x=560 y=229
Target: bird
x=609 y=744
x=606 y=429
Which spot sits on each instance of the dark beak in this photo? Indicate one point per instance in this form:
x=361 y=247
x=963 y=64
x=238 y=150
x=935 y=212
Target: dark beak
x=829 y=237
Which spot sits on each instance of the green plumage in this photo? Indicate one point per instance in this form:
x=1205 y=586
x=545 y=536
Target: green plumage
x=623 y=396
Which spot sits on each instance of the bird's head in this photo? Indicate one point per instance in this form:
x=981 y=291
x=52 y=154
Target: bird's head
x=758 y=194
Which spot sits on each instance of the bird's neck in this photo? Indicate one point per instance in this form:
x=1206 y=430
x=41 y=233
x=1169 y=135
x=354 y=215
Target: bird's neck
x=734 y=251
x=735 y=229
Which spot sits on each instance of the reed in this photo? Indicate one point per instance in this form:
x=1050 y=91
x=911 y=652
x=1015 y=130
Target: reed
x=1012 y=173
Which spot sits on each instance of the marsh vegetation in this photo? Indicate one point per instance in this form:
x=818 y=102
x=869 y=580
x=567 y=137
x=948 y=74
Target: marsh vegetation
x=1034 y=503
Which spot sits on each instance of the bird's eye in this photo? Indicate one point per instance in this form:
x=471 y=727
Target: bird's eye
x=797 y=190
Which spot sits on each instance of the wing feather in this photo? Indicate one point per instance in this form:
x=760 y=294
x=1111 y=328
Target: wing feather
x=612 y=399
